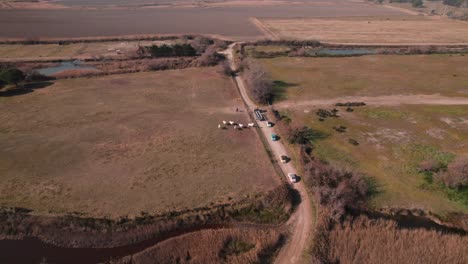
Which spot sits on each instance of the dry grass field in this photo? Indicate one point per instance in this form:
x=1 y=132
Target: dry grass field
x=393 y=141
x=371 y=30
x=91 y=50
x=409 y=118
x=375 y=75
x=381 y=241
x=122 y=144
x=213 y=246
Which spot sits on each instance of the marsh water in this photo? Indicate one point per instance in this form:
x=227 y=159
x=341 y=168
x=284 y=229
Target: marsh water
x=345 y=52
x=64 y=66
x=13 y=250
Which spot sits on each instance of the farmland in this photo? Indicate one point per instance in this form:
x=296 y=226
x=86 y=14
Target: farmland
x=393 y=141
x=233 y=21
x=371 y=30
x=304 y=79
x=404 y=123
x=123 y=144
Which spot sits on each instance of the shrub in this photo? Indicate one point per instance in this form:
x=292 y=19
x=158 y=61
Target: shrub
x=12 y=76
x=209 y=58
x=34 y=76
x=234 y=247
x=304 y=135
x=226 y=68
x=456 y=175
x=456 y=3
x=417 y=3
x=336 y=189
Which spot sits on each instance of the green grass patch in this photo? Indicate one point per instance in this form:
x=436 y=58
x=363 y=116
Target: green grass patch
x=331 y=154
x=458 y=195
x=452 y=110
x=413 y=154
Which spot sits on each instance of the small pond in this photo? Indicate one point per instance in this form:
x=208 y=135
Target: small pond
x=64 y=66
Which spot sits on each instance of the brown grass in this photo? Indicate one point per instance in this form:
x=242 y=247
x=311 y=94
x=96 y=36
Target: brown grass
x=122 y=144
x=206 y=247
x=381 y=241
x=371 y=30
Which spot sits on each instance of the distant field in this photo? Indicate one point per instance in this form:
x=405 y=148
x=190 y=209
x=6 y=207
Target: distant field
x=73 y=51
x=383 y=29
x=230 y=21
x=392 y=143
x=302 y=79
x=122 y=144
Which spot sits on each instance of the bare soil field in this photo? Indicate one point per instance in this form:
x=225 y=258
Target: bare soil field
x=303 y=79
x=231 y=21
x=123 y=144
x=371 y=30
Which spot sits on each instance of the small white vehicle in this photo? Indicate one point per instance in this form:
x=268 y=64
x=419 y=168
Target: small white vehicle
x=269 y=124
x=284 y=159
x=292 y=177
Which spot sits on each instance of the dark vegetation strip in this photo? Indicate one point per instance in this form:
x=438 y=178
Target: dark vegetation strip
x=33 y=41
x=313 y=49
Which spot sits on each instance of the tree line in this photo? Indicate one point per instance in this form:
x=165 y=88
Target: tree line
x=177 y=50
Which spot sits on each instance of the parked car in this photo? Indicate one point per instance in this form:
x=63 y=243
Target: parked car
x=284 y=159
x=269 y=124
x=274 y=137
x=292 y=177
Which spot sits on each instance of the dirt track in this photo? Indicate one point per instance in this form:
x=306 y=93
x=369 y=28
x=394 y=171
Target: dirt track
x=301 y=221
x=386 y=100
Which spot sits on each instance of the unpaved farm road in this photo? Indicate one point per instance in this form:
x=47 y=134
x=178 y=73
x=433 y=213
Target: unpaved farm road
x=384 y=100
x=302 y=219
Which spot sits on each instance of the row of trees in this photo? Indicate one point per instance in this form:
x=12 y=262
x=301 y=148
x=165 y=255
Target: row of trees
x=177 y=50
x=414 y=3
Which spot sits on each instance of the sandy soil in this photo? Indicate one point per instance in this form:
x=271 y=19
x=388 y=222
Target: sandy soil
x=371 y=30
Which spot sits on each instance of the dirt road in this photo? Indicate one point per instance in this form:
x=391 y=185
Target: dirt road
x=384 y=100
x=302 y=219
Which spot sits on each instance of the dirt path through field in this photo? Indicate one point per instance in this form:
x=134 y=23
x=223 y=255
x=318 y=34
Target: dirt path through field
x=301 y=221
x=385 y=100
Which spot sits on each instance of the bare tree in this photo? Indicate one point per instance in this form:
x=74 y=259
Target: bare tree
x=258 y=81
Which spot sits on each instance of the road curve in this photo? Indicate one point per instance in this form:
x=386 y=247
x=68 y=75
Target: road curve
x=301 y=221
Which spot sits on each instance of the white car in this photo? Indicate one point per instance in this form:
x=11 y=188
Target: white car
x=284 y=159
x=292 y=177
